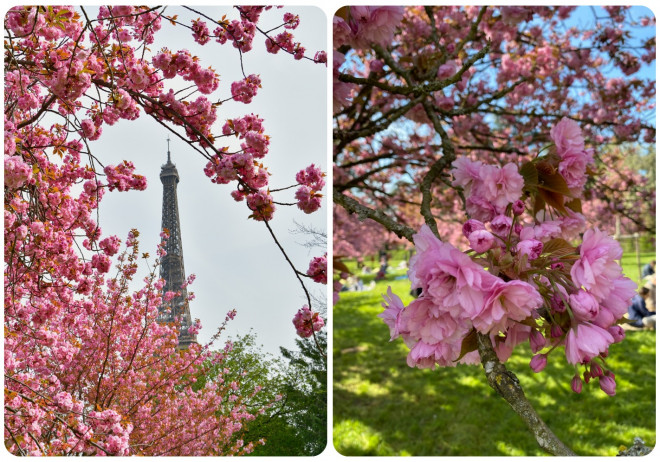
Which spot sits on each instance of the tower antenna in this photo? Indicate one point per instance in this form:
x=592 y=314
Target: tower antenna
x=168 y=150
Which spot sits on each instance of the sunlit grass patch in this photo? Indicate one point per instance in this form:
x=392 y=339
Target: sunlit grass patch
x=453 y=411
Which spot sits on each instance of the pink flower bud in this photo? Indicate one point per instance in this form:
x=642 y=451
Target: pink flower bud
x=481 y=240
x=518 y=207
x=557 y=304
x=536 y=341
x=556 y=331
x=557 y=266
x=576 y=384
x=472 y=225
x=596 y=370
x=501 y=225
x=587 y=376
x=607 y=384
x=538 y=362
x=584 y=305
x=617 y=332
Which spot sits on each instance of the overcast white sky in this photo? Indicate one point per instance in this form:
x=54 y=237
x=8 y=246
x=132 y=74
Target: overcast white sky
x=236 y=262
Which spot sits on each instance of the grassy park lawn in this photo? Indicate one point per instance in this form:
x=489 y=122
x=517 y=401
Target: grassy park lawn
x=383 y=407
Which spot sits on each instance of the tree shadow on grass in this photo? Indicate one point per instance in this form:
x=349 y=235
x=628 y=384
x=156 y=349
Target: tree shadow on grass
x=383 y=407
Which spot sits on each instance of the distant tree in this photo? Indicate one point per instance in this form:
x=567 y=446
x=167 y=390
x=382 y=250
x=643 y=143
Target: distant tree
x=623 y=189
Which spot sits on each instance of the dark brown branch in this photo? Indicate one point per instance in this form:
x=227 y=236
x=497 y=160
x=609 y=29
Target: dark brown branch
x=353 y=206
x=448 y=156
x=506 y=385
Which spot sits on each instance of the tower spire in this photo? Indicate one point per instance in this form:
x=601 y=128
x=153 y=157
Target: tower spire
x=171 y=268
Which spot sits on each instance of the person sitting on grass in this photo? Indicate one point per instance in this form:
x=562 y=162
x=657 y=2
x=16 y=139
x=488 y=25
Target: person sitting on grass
x=648 y=269
x=649 y=283
x=637 y=312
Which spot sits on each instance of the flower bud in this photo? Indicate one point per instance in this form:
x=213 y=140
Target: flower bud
x=538 y=362
x=536 y=341
x=471 y=226
x=556 y=331
x=584 y=305
x=557 y=304
x=617 y=332
x=587 y=376
x=501 y=225
x=576 y=384
x=607 y=384
x=596 y=370
x=557 y=266
x=481 y=240
x=518 y=207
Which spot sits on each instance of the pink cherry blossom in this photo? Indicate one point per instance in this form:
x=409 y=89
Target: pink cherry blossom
x=318 y=269
x=392 y=313
x=515 y=300
x=307 y=322
x=597 y=268
x=585 y=341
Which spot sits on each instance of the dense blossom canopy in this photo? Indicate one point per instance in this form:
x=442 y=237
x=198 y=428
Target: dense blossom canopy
x=490 y=83
x=89 y=370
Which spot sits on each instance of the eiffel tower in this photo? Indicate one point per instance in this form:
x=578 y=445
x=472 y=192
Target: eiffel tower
x=171 y=268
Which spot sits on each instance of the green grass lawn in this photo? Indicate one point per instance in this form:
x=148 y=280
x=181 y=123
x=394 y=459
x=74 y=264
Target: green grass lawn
x=383 y=407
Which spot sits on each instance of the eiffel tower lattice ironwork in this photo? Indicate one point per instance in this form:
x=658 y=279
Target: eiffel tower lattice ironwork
x=171 y=268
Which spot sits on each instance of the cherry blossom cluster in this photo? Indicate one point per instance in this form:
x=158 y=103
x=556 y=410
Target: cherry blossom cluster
x=284 y=41
x=200 y=31
x=360 y=26
x=182 y=63
x=244 y=167
x=311 y=182
x=79 y=335
x=126 y=23
x=307 y=322
x=241 y=33
x=123 y=178
x=318 y=269
x=261 y=204
x=244 y=90
x=17 y=172
x=523 y=278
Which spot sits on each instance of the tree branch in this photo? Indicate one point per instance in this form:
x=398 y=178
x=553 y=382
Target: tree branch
x=506 y=384
x=353 y=206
